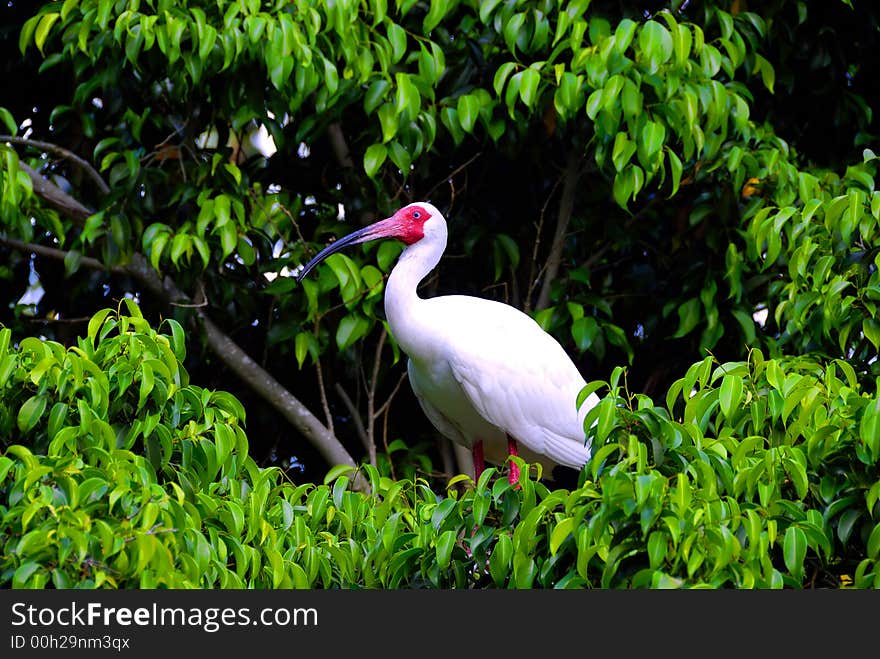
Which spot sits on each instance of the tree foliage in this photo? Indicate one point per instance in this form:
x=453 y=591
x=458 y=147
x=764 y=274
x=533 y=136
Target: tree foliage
x=654 y=184
x=125 y=475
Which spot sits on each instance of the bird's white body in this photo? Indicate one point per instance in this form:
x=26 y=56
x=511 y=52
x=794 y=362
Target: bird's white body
x=486 y=374
x=477 y=382
x=483 y=370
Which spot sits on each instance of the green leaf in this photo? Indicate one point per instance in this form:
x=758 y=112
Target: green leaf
x=30 y=413
x=400 y=157
x=181 y=244
x=606 y=418
x=512 y=92
x=528 y=88
x=681 y=42
x=388 y=121
x=584 y=331
x=688 y=317
x=468 y=111
x=768 y=74
x=501 y=76
x=302 y=344
x=335 y=472
x=481 y=506
x=95 y=324
x=499 y=561
x=57 y=417
x=351 y=328
x=27 y=32
x=72 y=261
x=157 y=246
x=228 y=242
x=437 y=11
x=431 y=64
x=510 y=248
x=657 y=544
x=407 y=98
x=5 y=465
x=871 y=330
x=8 y=121
x=178 y=338
x=747 y=323
x=656 y=43
x=624 y=33
x=524 y=570
x=388 y=251
x=730 y=394
x=846 y=524
x=444 y=546
x=622 y=151
x=206 y=42
x=590 y=388
x=594 y=104
x=622 y=189
x=798 y=475
x=675 y=170
x=23 y=573
x=147 y=384
x=331 y=77
x=375 y=95
x=486 y=9
x=560 y=532
x=794 y=550
x=651 y=140
x=631 y=99
x=449 y=118
x=512 y=29
x=869 y=427
x=568 y=97
x=374 y=156
x=873 y=545
x=43 y=28
x=397 y=37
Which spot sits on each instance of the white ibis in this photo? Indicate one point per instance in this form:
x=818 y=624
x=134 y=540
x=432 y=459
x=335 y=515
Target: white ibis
x=487 y=376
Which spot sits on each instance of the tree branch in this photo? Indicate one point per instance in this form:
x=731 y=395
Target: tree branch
x=371 y=397
x=455 y=172
x=53 y=253
x=387 y=404
x=563 y=217
x=279 y=397
x=355 y=415
x=63 y=202
x=534 y=272
x=63 y=153
x=325 y=404
x=340 y=146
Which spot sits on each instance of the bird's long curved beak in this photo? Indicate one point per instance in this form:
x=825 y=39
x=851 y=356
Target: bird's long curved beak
x=381 y=229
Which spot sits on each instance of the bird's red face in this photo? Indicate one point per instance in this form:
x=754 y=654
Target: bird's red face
x=407 y=224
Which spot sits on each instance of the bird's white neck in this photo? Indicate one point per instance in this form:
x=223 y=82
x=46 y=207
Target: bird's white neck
x=401 y=290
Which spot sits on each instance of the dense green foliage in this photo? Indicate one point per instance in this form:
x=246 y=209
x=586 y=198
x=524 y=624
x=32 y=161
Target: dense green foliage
x=139 y=479
x=653 y=183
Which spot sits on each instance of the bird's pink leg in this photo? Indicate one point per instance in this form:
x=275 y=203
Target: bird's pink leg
x=479 y=463
x=513 y=476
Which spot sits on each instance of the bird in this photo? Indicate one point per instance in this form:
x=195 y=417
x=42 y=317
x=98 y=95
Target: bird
x=486 y=375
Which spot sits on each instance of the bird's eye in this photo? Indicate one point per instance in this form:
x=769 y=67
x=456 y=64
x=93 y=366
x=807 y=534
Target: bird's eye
x=416 y=215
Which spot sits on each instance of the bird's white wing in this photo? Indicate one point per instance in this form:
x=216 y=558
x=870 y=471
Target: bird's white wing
x=519 y=379
x=527 y=413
